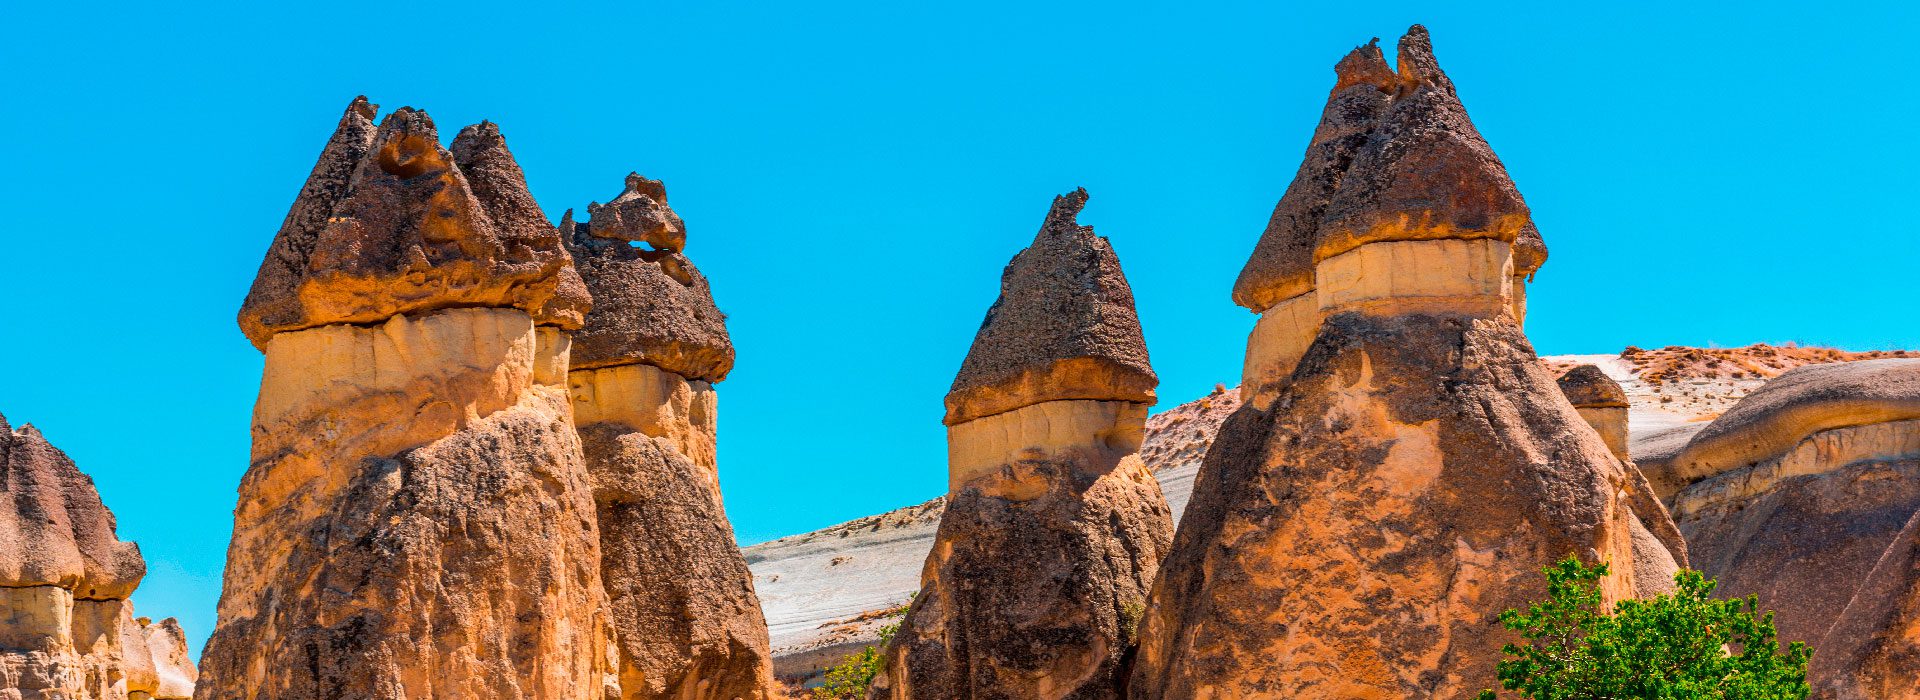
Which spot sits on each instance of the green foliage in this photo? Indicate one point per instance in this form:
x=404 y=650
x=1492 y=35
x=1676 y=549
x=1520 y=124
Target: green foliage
x=855 y=673
x=1687 y=645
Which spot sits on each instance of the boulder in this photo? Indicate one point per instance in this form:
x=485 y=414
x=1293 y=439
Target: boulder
x=1054 y=528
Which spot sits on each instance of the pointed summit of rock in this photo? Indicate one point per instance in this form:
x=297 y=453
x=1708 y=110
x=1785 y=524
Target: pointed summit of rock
x=1064 y=327
x=496 y=179
x=649 y=306
x=388 y=225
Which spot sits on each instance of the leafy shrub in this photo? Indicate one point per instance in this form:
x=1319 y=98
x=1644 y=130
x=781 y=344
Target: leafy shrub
x=851 y=678
x=1684 y=645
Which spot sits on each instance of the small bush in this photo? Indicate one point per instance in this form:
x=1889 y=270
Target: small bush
x=1685 y=645
x=855 y=673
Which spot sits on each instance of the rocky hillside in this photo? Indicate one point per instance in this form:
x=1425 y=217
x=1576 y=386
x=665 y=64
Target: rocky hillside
x=829 y=592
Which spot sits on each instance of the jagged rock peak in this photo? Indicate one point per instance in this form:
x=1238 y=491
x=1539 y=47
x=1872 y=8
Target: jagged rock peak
x=649 y=306
x=55 y=530
x=640 y=215
x=1064 y=327
x=1394 y=158
x=1588 y=387
x=389 y=223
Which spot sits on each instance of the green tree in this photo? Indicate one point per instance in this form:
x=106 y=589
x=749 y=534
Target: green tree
x=1687 y=645
x=855 y=673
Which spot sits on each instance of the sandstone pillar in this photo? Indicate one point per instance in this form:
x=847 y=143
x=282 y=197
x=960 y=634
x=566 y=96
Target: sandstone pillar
x=67 y=629
x=1054 y=528
x=1356 y=535
x=1659 y=549
x=416 y=522
x=688 y=624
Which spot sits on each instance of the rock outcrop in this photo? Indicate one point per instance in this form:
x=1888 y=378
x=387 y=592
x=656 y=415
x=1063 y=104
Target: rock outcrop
x=1659 y=550
x=1801 y=494
x=68 y=630
x=1355 y=532
x=417 y=520
x=1054 y=528
x=686 y=619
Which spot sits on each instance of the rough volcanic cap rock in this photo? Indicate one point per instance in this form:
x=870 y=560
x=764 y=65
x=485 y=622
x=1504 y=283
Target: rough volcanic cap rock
x=1425 y=173
x=388 y=224
x=1803 y=401
x=1282 y=263
x=55 y=531
x=481 y=154
x=649 y=306
x=1064 y=327
x=1588 y=387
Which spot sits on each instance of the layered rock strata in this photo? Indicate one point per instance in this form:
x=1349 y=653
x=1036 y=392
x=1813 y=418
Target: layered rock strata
x=1356 y=533
x=686 y=619
x=69 y=632
x=1800 y=493
x=417 y=521
x=1054 y=528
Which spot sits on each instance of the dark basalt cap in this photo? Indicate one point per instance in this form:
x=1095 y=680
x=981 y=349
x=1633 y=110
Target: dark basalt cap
x=649 y=306
x=1394 y=158
x=54 y=531
x=1586 y=386
x=1064 y=327
x=388 y=224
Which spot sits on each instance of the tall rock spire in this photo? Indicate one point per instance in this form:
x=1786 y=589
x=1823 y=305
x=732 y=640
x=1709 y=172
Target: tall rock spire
x=1054 y=528
x=685 y=615
x=415 y=471
x=1064 y=327
x=65 y=582
x=1399 y=476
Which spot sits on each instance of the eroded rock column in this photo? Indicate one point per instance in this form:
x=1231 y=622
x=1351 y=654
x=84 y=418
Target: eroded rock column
x=1054 y=528
x=643 y=367
x=67 y=628
x=417 y=520
x=1659 y=550
x=1356 y=535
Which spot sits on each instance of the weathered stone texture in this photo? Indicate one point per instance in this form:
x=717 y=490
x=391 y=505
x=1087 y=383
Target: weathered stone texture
x=67 y=630
x=686 y=620
x=651 y=306
x=1064 y=327
x=1054 y=528
x=388 y=224
x=1359 y=539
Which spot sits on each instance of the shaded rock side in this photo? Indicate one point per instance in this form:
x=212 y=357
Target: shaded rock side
x=1360 y=539
x=388 y=223
x=1064 y=327
x=651 y=305
x=1872 y=651
x=685 y=615
x=1034 y=587
x=1659 y=550
x=68 y=630
x=1807 y=487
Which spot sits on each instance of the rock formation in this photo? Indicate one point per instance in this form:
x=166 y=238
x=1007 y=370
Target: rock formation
x=685 y=616
x=1357 y=526
x=1659 y=550
x=417 y=520
x=1054 y=527
x=69 y=632
x=1800 y=493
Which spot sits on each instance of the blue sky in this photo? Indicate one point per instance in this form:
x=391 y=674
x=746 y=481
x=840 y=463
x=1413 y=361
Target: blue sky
x=854 y=176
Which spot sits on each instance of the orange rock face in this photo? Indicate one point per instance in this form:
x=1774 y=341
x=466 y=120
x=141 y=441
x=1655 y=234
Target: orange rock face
x=418 y=520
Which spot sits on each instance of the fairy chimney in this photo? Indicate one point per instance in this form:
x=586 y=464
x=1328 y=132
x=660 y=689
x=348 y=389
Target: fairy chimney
x=1601 y=402
x=65 y=579
x=1659 y=550
x=415 y=471
x=1054 y=528
x=686 y=619
x=1357 y=533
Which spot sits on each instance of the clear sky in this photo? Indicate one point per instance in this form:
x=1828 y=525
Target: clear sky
x=854 y=176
